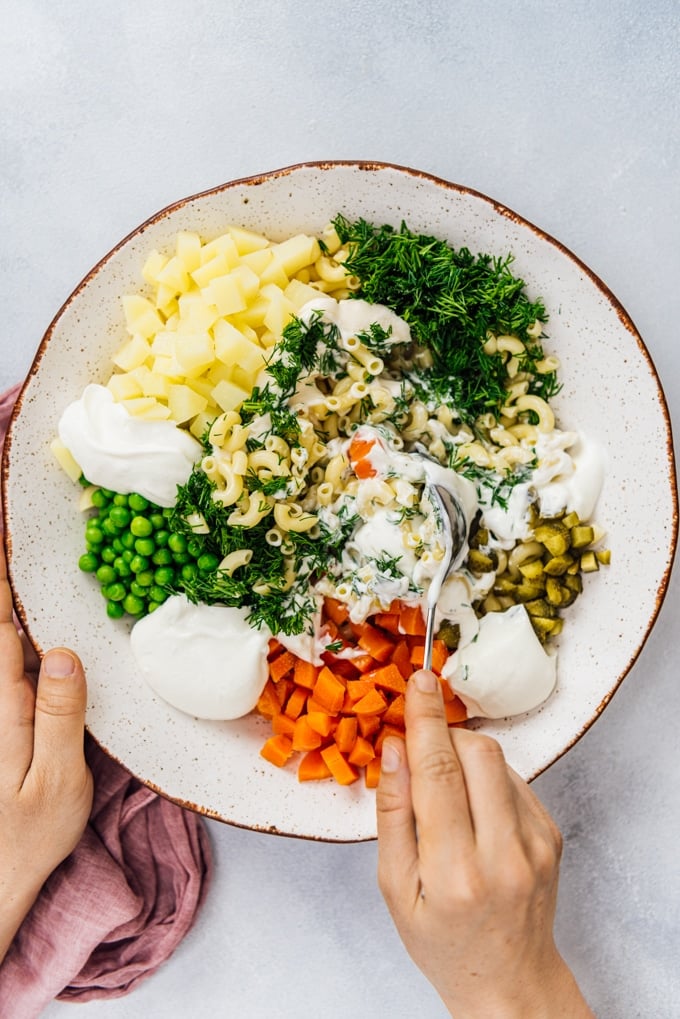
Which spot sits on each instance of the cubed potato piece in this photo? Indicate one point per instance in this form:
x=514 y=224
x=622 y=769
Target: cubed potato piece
x=195 y=312
x=125 y=386
x=132 y=354
x=188 y=249
x=232 y=348
x=243 y=379
x=63 y=457
x=247 y=241
x=299 y=293
x=163 y=343
x=141 y=317
x=252 y=315
x=166 y=301
x=184 y=403
x=248 y=281
x=225 y=293
x=229 y=396
x=297 y=252
x=274 y=273
x=152 y=383
x=258 y=260
x=153 y=265
x=147 y=407
x=280 y=310
x=202 y=422
x=223 y=245
x=194 y=352
x=167 y=366
x=218 y=373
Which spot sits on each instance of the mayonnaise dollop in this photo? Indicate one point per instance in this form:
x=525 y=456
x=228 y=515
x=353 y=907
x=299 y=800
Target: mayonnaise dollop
x=205 y=660
x=127 y=454
x=504 y=670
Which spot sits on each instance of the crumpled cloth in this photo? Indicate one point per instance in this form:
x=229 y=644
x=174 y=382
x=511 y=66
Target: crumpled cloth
x=120 y=904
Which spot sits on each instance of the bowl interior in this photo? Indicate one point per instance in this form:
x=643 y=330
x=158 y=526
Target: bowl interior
x=610 y=392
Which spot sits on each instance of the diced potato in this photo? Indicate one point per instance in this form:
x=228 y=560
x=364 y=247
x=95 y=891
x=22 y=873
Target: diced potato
x=166 y=301
x=297 y=252
x=248 y=281
x=63 y=457
x=275 y=273
x=194 y=352
x=124 y=386
x=167 y=366
x=202 y=422
x=228 y=395
x=153 y=265
x=184 y=403
x=252 y=314
x=224 y=245
x=132 y=354
x=188 y=249
x=243 y=379
x=152 y=384
x=280 y=310
x=247 y=241
x=224 y=292
x=300 y=293
x=141 y=317
x=146 y=407
x=195 y=312
x=219 y=373
x=258 y=260
x=174 y=276
x=163 y=343
x=232 y=348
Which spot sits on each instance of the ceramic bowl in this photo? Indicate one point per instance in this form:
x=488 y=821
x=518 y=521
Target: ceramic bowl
x=610 y=390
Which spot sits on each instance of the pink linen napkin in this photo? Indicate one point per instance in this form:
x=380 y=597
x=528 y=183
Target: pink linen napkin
x=119 y=905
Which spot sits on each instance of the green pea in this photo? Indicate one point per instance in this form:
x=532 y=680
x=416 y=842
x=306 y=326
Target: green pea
x=208 y=562
x=137 y=502
x=157 y=521
x=128 y=540
x=121 y=567
x=114 y=592
x=135 y=606
x=138 y=563
x=161 y=538
x=108 y=527
x=162 y=557
x=137 y=589
x=94 y=535
x=117 y=545
x=120 y=500
x=88 y=562
x=108 y=554
x=141 y=527
x=195 y=547
x=99 y=499
x=145 y=578
x=120 y=515
x=164 y=576
x=189 y=572
x=177 y=543
x=106 y=574
x=157 y=595
x=181 y=558
x=145 y=547
x=114 y=610
x=108 y=493
x=127 y=555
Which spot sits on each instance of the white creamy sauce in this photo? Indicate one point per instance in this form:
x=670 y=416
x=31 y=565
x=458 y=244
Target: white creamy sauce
x=356 y=316
x=569 y=475
x=205 y=660
x=504 y=670
x=124 y=453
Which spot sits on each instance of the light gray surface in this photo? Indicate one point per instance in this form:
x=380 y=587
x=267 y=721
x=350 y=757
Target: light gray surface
x=567 y=113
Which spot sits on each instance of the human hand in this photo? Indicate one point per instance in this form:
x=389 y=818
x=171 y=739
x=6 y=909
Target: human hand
x=45 y=784
x=468 y=862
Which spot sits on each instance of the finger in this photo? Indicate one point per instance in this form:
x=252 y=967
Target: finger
x=16 y=691
x=491 y=792
x=440 y=800
x=60 y=703
x=397 y=843
x=532 y=807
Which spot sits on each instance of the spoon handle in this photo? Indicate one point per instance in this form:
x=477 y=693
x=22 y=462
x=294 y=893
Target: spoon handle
x=429 y=635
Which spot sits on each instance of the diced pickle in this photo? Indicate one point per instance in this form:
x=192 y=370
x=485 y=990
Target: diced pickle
x=555 y=592
x=604 y=556
x=540 y=607
x=581 y=536
x=545 y=628
x=555 y=537
x=589 y=563
x=449 y=633
x=532 y=570
x=479 y=562
x=558 y=565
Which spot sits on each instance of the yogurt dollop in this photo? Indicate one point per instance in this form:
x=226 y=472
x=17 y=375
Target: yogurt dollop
x=127 y=454
x=504 y=670
x=205 y=660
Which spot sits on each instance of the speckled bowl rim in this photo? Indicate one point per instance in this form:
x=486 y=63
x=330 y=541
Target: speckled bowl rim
x=502 y=210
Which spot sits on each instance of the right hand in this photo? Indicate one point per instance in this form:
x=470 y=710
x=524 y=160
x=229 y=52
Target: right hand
x=468 y=863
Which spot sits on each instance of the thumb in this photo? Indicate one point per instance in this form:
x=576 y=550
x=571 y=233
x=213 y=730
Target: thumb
x=397 y=843
x=60 y=702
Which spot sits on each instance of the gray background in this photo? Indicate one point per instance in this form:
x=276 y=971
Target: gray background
x=567 y=113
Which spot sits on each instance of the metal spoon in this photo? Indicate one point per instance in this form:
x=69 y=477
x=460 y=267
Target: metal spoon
x=453 y=523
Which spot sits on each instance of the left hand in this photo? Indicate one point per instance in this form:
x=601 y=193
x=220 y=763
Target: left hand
x=45 y=784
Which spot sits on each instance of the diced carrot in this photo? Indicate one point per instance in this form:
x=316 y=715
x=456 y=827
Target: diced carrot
x=455 y=711
x=377 y=644
x=296 y=702
x=372 y=773
x=268 y=703
x=277 y=750
x=388 y=677
x=361 y=753
x=385 y=731
x=304 y=737
x=313 y=768
x=320 y=721
x=358 y=688
x=411 y=620
x=395 y=711
x=342 y=771
x=387 y=621
x=346 y=734
x=329 y=691
x=305 y=673
x=439 y=655
x=336 y=610
x=368 y=724
x=284 y=689
x=275 y=648
x=372 y=703
x=447 y=692
x=283 y=725
x=343 y=667
x=360 y=447
x=401 y=656
x=281 y=665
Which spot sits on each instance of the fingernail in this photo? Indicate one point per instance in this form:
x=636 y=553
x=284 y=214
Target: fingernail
x=391 y=758
x=426 y=682
x=59 y=664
